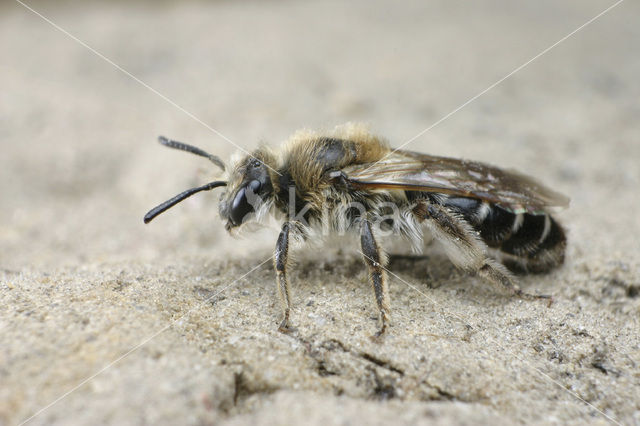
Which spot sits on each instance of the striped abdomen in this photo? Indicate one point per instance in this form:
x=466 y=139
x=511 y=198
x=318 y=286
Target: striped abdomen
x=529 y=242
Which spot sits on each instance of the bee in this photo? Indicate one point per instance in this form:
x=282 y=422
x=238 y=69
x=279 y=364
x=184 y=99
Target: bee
x=491 y=222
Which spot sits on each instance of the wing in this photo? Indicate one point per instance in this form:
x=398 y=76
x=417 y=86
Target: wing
x=411 y=171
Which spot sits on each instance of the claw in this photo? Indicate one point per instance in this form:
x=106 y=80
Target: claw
x=380 y=333
x=528 y=296
x=284 y=325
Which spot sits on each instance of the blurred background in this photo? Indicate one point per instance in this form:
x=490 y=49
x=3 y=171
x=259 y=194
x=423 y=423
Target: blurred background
x=80 y=164
x=87 y=87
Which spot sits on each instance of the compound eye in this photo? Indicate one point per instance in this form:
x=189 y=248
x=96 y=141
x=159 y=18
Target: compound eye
x=240 y=207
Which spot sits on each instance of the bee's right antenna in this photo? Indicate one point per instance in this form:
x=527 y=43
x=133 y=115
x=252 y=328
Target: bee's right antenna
x=192 y=149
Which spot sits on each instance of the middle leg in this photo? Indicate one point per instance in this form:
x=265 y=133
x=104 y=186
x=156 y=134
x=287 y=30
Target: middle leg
x=375 y=259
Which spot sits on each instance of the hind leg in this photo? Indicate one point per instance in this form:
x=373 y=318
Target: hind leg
x=465 y=248
x=498 y=275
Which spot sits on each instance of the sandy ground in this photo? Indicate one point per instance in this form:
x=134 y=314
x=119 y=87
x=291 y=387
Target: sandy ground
x=106 y=320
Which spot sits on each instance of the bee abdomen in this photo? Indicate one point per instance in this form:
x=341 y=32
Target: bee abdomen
x=529 y=242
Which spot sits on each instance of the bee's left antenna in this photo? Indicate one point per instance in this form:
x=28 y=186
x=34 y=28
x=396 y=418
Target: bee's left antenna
x=175 y=200
x=192 y=149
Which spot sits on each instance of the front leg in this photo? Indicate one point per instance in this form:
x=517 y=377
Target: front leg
x=374 y=258
x=280 y=260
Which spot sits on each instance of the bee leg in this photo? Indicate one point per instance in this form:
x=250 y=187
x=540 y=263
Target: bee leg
x=280 y=260
x=375 y=259
x=497 y=274
x=465 y=248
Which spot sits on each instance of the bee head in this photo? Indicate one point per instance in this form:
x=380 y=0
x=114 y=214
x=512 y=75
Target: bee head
x=248 y=182
x=249 y=190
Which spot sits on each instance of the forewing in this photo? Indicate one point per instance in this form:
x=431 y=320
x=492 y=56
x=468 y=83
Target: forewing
x=419 y=172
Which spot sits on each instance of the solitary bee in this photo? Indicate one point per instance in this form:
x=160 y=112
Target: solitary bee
x=351 y=181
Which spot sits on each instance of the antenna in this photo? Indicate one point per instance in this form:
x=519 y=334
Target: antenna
x=192 y=149
x=183 y=195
